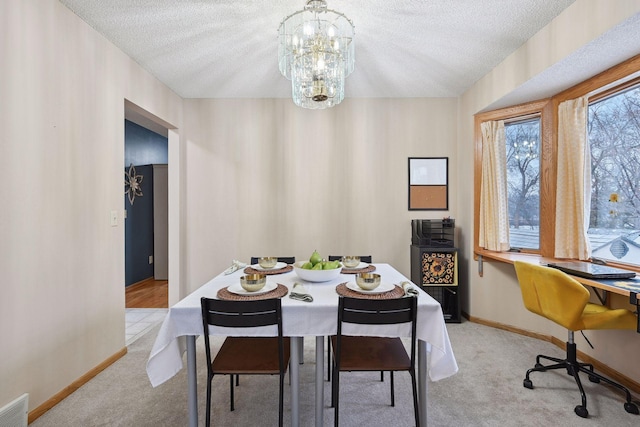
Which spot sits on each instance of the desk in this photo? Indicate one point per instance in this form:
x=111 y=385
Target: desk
x=183 y=324
x=625 y=287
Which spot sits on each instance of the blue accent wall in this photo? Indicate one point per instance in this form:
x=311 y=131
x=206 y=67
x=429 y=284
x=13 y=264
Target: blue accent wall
x=142 y=148
x=139 y=230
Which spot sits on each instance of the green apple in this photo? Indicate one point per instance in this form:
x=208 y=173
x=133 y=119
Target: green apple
x=330 y=265
x=315 y=258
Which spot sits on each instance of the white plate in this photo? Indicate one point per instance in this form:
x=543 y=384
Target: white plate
x=357 y=267
x=237 y=289
x=278 y=266
x=384 y=287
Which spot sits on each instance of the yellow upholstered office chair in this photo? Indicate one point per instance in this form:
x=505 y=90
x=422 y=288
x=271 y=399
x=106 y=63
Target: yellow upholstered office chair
x=558 y=297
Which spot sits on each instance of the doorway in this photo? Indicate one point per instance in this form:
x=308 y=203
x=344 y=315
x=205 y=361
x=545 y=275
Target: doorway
x=146 y=222
x=145 y=205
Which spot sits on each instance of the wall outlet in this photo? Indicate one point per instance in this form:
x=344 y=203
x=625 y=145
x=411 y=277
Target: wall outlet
x=150 y=259
x=114 y=218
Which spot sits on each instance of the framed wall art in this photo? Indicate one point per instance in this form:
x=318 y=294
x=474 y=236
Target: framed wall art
x=428 y=183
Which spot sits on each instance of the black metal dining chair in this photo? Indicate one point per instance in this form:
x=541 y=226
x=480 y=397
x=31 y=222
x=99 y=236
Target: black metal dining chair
x=285 y=259
x=363 y=258
x=371 y=353
x=245 y=355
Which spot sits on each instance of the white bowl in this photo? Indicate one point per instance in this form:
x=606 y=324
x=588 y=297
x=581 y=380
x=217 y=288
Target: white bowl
x=316 y=275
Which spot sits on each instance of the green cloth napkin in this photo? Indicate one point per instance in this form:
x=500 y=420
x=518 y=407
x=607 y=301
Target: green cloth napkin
x=299 y=292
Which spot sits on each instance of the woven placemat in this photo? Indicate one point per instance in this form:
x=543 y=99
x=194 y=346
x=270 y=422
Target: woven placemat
x=278 y=292
x=367 y=269
x=250 y=270
x=396 y=292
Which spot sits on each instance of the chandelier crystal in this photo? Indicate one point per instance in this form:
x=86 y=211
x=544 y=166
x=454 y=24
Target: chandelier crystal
x=316 y=52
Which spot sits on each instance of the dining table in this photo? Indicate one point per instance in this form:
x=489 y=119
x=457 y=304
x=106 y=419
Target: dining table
x=315 y=319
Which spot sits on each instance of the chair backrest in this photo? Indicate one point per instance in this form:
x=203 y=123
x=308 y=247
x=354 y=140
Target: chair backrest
x=363 y=258
x=241 y=314
x=552 y=293
x=285 y=259
x=378 y=312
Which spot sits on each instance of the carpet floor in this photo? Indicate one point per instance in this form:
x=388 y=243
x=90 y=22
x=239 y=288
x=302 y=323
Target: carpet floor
x=487 y=391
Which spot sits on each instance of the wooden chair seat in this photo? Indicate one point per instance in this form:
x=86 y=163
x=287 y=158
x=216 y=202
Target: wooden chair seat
x=249 y=355
x=372 y=354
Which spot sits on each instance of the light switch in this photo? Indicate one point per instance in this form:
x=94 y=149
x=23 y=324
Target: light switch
x=150 y=259
x=114 y=218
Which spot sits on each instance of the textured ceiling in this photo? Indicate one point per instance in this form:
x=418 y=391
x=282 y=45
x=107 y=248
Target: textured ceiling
x=228 y=48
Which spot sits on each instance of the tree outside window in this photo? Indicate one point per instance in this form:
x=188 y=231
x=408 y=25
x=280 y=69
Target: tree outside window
x=523 y=182
x=614 y=138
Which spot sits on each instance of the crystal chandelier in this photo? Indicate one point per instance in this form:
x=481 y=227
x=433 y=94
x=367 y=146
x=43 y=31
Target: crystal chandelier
x=316 y=52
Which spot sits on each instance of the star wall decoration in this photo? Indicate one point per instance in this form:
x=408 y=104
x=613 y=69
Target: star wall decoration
x=132 y=184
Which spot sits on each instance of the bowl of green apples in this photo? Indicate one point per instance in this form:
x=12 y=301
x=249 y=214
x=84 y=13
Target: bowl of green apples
x=316 y=269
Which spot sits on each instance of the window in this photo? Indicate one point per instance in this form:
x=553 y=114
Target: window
x=614 y=139
x=523 y=182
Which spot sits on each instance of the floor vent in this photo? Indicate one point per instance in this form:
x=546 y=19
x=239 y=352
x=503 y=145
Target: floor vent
x=15 y=414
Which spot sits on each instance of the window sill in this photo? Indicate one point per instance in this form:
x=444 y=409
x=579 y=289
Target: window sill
x=510 y=257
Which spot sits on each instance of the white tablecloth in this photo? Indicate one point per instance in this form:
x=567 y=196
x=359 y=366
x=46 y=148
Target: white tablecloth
x=318 y=318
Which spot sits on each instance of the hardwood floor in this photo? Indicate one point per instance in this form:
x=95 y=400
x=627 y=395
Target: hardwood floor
x=148 y=293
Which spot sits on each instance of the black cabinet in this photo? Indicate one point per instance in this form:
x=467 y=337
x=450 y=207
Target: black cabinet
x=434 y=264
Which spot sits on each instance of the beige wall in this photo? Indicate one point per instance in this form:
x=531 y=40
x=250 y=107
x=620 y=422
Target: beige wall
x=267 y=177
x=496 y=295
x=62 y=98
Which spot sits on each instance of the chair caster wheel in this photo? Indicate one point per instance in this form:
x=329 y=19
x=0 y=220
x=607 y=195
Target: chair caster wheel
x=594 y=379
x=581 y=411
x=631 y=408
x=528 y=384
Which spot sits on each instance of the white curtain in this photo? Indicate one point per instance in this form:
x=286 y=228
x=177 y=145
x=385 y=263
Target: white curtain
x=573 y=188
x=494 y=215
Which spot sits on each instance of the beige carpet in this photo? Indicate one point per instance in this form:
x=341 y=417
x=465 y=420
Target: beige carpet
x=487 y=391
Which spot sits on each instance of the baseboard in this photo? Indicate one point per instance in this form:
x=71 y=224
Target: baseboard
x=598 y=366
x=58 y=397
